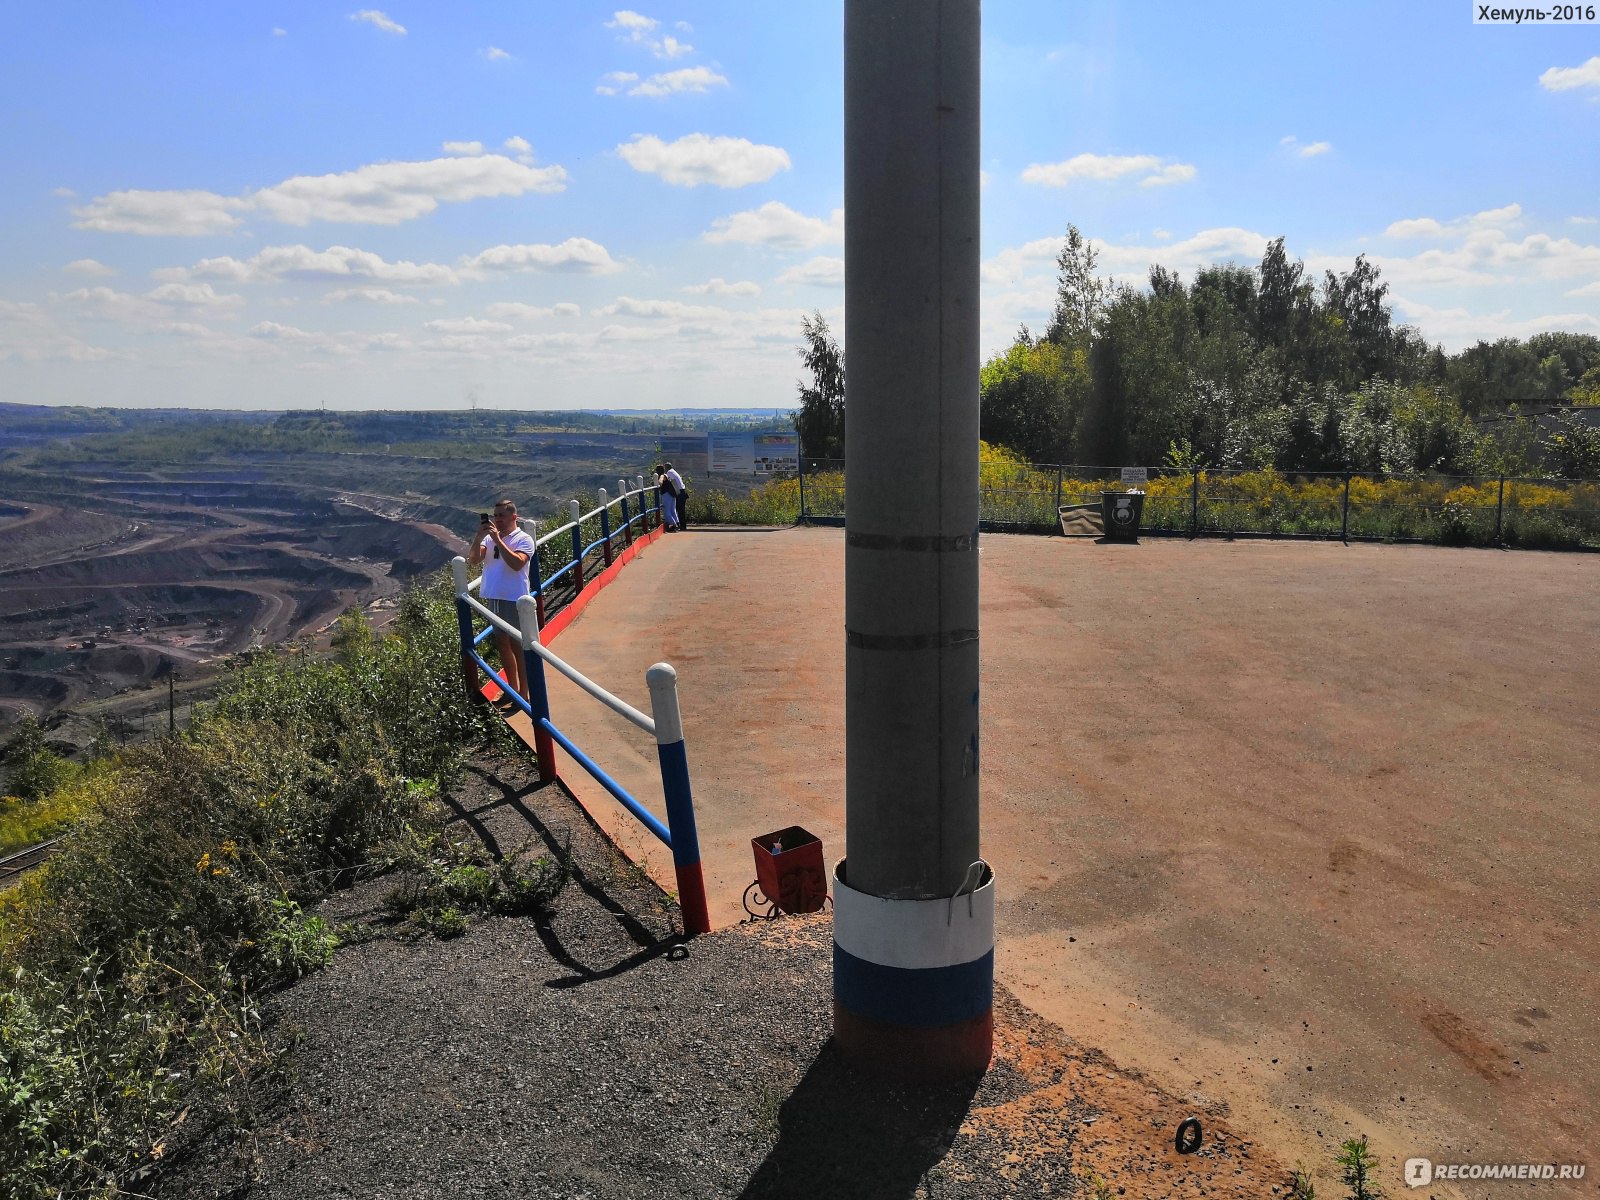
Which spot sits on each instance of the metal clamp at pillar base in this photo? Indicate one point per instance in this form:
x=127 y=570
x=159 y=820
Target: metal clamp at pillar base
x=913 y=981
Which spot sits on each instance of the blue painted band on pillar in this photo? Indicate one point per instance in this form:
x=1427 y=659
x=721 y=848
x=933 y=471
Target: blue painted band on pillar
x=913 y=997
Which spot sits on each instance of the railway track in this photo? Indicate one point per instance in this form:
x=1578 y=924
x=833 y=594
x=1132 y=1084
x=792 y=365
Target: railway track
x=12 y=866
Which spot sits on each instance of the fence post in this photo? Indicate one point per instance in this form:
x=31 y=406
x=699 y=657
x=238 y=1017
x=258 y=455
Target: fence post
x=1500 y=510
x=622 y=504
x=469 y=669
x=800 y=470
x=605 y=526
x=663 y=682
x=1344 y=522
x=1194 y=505
x=537 y=573
x=1058 y=492
x=538 y=696
x=577 y=546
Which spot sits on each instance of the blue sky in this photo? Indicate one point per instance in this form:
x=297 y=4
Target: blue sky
x=566 y=205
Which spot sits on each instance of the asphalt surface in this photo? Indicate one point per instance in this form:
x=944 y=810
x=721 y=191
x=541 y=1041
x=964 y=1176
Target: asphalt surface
x=1303 y=828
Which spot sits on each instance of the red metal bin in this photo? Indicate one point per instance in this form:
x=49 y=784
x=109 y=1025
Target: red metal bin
x=789 y=869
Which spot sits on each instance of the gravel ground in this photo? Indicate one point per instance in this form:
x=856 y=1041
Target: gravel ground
x=594 y=1054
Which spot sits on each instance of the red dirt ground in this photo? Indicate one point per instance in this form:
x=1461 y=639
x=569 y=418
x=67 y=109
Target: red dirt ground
x=1304 y=828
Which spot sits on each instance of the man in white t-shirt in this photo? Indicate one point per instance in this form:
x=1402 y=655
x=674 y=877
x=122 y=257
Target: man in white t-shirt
x=505 y=552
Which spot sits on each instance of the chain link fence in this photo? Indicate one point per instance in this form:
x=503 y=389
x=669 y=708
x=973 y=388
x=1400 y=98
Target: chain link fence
x=1445 y=509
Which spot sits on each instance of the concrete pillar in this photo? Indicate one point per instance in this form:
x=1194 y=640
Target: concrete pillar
x=913 y=979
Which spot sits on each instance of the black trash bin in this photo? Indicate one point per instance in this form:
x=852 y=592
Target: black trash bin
x=1121 y=513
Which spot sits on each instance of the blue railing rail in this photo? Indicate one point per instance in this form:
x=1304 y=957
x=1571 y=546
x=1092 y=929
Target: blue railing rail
x=665 y=724
x=639 y=511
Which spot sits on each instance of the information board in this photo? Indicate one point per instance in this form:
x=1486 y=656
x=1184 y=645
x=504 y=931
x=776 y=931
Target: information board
x=753 y=453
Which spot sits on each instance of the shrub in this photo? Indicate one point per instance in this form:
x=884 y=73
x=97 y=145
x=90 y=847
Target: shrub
x=129 y=964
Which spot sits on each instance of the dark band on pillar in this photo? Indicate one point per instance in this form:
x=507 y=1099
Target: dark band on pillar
x=915 y=641
x=925 y=545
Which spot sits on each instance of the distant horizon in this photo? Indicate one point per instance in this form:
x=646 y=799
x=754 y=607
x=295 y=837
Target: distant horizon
x=213 y=207
x=420 y=411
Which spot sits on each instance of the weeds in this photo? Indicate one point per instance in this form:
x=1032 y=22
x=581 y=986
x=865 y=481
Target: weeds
x=1357 y=1163
x=129 y=965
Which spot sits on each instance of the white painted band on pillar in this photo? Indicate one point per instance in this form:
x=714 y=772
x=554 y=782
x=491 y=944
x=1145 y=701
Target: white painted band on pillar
x=914 y=934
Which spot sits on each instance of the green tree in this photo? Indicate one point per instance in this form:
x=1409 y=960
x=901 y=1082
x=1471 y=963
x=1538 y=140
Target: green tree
x=1081 y=295
x=1575 y=446
x=1031 y=397
x=820 y=418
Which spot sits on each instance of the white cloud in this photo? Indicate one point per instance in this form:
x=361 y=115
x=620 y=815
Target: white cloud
x=1162 y=234
x=777 y=225
x=689 y=79
x=373 y=16
x=185 y=329
x=1565 y=79
x=818 y=272
x=64 y=193
x=466 y=325
x=463 y=147
x=89 y=266
x=1588 y=289
x=697 y=158
x=1584 y=220
x=721 y=287
x=1171 y=173
x=389 y=193
x=1415 y=227
x=673 y=310
x=632 y=25
x=110 y=304
x=1492 y=218
x=367 y=295
x=641 y=30
x=1314 y=149
x=190 y=213
x=194 y=295
x=278 y=32
x=276 y=263
x=532 y=312
x=1459 y=327
x=1106 y=168
x=495 y=54
x=614 y=81
x=576 y=255
x=1287 y=139
x=538 y=341
x=377 y=194
x=517 y=145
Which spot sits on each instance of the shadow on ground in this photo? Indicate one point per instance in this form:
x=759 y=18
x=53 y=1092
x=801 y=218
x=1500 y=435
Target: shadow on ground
x=842 y=1134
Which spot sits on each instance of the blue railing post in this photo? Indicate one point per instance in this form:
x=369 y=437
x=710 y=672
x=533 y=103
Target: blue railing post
x=663 y=682
x=622 y=505
x=605 y=526
x=538 y=694
x=469 y=669
x=577 y=546
x=537 y=574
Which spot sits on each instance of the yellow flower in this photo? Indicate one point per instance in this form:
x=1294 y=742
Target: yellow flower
x=230 y=849
x=205 y=861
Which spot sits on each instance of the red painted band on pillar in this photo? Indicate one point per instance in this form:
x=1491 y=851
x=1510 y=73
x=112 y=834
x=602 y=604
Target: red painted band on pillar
x=915 y=1055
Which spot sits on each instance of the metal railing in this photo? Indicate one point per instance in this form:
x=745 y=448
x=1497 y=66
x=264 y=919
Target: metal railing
x=665 y=723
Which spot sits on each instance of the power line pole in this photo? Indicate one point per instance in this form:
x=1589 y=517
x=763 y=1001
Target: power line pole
x=914 y=916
